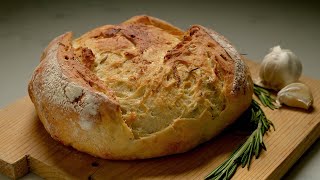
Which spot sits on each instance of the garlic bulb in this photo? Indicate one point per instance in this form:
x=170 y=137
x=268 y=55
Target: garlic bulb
x=295 y=95
x=279 y=68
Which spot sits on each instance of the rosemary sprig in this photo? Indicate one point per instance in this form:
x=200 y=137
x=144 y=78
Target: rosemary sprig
x=251 y=147
x=264 y=96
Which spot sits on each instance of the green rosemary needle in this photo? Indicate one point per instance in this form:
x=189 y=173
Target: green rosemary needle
x=251 y=147
x=264 y=96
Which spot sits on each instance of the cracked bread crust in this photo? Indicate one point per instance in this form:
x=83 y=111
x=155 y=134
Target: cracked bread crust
x=140 y=89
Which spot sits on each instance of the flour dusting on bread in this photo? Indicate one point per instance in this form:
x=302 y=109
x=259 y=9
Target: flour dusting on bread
x=73 y=91
x=54 y=86
x=240 y=67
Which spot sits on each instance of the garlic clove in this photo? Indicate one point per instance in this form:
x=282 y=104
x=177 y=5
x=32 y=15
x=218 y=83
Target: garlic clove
x=295 y=95
x=279 y=68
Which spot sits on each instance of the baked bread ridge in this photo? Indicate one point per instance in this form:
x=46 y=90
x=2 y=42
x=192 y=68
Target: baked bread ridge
x=78 y=108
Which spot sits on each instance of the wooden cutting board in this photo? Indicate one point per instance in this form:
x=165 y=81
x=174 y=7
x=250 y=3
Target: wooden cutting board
x=25 y=146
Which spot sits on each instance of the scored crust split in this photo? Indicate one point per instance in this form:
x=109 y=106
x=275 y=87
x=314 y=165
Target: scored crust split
x=140 y=89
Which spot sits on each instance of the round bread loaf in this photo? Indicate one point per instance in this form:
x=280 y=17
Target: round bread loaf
x=140 y=89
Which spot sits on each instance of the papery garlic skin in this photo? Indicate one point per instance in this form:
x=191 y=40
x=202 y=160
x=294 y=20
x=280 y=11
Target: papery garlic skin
x=295 y=95
x=279 y=68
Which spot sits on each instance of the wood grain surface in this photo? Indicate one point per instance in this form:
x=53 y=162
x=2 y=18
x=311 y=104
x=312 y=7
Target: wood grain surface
x=26 y=146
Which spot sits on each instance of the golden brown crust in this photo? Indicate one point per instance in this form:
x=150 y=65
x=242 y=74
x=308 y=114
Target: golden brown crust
x=148 y=20
x=140 y=89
